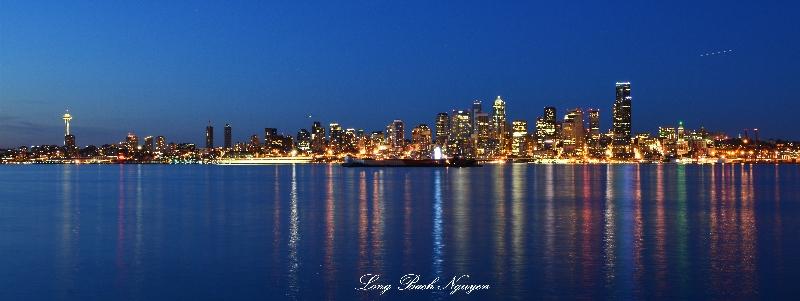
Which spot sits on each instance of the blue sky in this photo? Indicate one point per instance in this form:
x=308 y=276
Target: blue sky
x=169 y=67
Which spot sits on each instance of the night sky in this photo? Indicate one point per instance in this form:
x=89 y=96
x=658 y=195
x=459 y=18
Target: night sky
x=167 y=68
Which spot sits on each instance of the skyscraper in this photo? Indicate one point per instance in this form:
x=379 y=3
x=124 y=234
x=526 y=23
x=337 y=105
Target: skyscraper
x=317 y=138
x=442 y=125
x=149 y=144
x=482 y=132
x=421 y=141
x=460 y=142
x=273 y=142
x=499 y=118
x=132 y=142
x=621 y=127
x=335 y=137
x=303 y=141
x=593 y=134
x=519 y=136
x=209 y=136
x=396 y=135
x=547 y=128
x=594 y=125
x=477 y=108
x=573 y=133
x=161 y=144
x=228 y=133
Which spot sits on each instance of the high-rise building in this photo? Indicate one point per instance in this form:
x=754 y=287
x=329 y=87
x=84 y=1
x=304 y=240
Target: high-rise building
x=303 y=141
x=547 y=128
x=460 y=142
x=519 y=136
x=350 y=141
x=395 y=132
x=477 y=108
x=593 y=134
x=442 y=130
x=572 y=132
x=621 y=126
x=161 y=144
x=482 y=133
x=335 y=138
x=149 y=144
x=317 y=138
x=209 y=136
x=273 y=142
x=255 y=144
x=375 y=141
x=228 y=136
x=594 y=125
x=499 y=118
x=421 y=138
x=132 y=142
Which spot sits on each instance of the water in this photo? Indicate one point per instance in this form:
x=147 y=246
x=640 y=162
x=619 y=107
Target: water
x=128 y=232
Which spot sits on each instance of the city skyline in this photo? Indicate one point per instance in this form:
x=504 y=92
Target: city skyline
x=489 y=135
x=139 y=66
x=606 y=121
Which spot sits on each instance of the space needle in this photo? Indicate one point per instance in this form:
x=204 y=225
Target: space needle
x=69 y=139
x=67 y=118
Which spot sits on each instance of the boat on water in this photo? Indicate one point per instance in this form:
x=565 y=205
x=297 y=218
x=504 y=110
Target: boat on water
x=264 y=160
x=453 y=162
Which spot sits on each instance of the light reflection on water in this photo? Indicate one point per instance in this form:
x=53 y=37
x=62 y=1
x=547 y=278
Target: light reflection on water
x=310 y=231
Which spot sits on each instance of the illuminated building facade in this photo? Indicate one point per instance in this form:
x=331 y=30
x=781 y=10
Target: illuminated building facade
x=481 y=135
x=573 y=133
x=317 y=138
x=442 y=125
x=396 y=135
x=621 y=126
x=335 y=138
x=519 y=136
x=303 y=141
x=132 y=142
x=421 y=139
x=460 y=142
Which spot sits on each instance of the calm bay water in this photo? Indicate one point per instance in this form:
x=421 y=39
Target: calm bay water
x=310 y=231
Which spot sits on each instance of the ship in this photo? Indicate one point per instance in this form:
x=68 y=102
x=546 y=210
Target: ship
x=452 y=162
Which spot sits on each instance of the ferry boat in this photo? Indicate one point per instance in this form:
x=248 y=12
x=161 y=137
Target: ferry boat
x=264 y=160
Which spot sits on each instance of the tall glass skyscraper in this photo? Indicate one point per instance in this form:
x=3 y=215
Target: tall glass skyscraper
x=621 y=127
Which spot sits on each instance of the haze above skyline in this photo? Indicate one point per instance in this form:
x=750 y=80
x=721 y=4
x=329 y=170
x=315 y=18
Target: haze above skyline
x=158 y=68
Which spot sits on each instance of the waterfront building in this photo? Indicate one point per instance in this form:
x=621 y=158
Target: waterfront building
x=421 y=140
x=132 y=142
x=149 y=144
x=499 y=125
x=482 y=134
x=621 y=126
x=335 y=138
x=573 y=133
x=442 y=125
x=477 y=108
x=317 y=138
x=396 y=135
x=303 y=141
x=161 y=144
x=209 y=136
x=460 y=142
x=228 y=136
x=519 y=138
